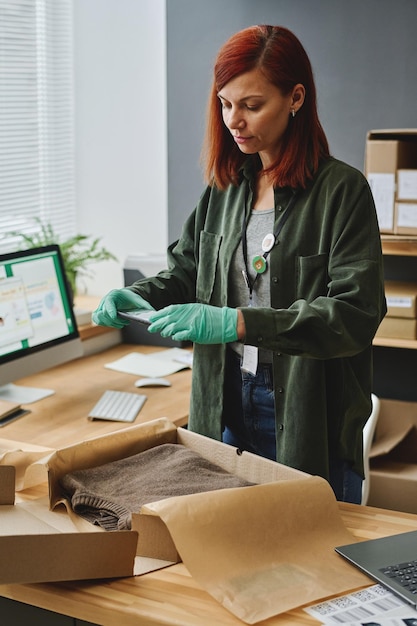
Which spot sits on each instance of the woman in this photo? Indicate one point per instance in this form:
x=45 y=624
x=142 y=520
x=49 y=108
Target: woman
x=277 y=277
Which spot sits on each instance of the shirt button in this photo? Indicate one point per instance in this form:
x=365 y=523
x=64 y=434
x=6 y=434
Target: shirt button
x=260 y=339
x=280 y=208
x=275 y=279
x=281 y=427
x=280 y=390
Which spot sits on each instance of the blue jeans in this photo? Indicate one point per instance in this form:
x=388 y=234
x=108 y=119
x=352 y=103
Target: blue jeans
x=249 y=423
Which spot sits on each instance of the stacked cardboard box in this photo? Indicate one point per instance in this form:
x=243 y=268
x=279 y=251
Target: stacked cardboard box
x=400 y=321
x=391 y=169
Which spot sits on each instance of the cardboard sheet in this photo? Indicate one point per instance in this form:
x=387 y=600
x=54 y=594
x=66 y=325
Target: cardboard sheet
x=262 y=552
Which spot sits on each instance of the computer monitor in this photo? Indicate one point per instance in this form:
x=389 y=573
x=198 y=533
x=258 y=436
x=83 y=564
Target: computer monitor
x=37 y=324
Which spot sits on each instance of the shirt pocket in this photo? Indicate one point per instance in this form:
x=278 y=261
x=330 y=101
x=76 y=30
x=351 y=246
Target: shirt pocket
x=312 y=277
x=207 y=264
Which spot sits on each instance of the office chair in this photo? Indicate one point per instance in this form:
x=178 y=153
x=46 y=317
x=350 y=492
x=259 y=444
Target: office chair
x=368 y=435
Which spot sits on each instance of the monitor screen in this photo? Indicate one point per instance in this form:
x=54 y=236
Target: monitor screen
x=37 y=324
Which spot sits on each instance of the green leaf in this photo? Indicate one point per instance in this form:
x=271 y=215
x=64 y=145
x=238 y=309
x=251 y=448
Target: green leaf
x=78 y=252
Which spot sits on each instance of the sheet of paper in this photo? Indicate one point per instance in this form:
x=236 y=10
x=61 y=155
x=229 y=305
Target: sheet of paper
x=407 y=184
x=405 y=619
x=407 y=215
x=374 y=605
x=383 y=190
x=161 y=363
x=262 y=550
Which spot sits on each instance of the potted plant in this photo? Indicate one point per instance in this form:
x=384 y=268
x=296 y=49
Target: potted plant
x=77 y=252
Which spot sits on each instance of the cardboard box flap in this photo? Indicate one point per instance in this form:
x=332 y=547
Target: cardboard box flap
x=105 y=449
x=395 y=422
x=249 y=466
x=66 y=556
x=262 y=550
x=24 y=457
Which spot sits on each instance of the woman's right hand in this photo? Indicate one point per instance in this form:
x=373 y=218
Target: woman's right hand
x=117 y=300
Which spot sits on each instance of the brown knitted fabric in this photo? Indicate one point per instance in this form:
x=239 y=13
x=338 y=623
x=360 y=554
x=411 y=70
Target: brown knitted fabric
x=107 y=495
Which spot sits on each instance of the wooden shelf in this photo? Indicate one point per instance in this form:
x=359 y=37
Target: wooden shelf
x=389 y=342
x=87 y=331
x=399 y=245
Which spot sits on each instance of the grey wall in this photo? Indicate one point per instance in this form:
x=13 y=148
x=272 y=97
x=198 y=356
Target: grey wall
x=363 y=53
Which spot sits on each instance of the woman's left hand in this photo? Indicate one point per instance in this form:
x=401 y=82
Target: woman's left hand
x=199 y=323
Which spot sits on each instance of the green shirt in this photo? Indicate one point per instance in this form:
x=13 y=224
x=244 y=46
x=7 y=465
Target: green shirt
x=327 y=301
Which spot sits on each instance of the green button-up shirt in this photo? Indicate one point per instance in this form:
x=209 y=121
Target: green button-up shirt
x=327 y=300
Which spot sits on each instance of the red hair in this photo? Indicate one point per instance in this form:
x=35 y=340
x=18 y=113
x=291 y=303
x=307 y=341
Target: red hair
x=278 y=53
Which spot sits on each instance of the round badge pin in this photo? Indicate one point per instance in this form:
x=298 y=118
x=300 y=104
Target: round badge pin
x=268 y=242
x=259 y=264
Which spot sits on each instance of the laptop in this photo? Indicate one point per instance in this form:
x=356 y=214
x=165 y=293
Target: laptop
x=392 y=561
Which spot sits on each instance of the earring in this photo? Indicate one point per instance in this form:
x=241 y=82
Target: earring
x=293 y=112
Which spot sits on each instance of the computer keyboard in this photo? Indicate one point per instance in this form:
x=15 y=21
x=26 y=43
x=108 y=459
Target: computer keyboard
x=405 y=574
x=119 y=406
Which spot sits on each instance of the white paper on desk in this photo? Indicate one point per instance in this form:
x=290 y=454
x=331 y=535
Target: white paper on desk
x=361 y=607
x=403 y=619
x=161 y=363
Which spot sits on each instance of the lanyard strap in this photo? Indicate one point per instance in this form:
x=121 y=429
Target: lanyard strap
x=250 y=284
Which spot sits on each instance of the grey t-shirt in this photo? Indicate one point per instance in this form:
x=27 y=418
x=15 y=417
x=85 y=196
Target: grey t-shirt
x=261 y=223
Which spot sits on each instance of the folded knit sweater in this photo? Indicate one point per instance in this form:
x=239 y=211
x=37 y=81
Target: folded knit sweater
x=107 y=495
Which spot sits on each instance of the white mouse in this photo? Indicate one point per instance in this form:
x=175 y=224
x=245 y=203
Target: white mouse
x=152 y=382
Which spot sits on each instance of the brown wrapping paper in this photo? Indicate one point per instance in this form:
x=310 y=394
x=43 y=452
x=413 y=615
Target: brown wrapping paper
x=262 y=550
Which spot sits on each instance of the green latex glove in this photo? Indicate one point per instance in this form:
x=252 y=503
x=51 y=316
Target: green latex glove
x=118 y=300
x=200 y=323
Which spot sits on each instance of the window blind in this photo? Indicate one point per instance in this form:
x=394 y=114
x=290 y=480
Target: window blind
x=37 y=180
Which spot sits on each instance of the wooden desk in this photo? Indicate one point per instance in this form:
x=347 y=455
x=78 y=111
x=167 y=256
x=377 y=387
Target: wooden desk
x=61 y=419
x=170 y=597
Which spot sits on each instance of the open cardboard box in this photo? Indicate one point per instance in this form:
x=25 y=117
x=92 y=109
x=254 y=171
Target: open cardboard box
x=259 y=550
x=155 y=541
x=393 y=457
x=32 y=533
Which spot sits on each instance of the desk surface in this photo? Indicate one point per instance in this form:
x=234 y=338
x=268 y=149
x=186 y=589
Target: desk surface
x=61 y=419
x=166 y=597
x=170 y=597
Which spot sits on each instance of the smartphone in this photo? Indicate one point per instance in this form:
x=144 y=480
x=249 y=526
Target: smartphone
x=140 y=316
